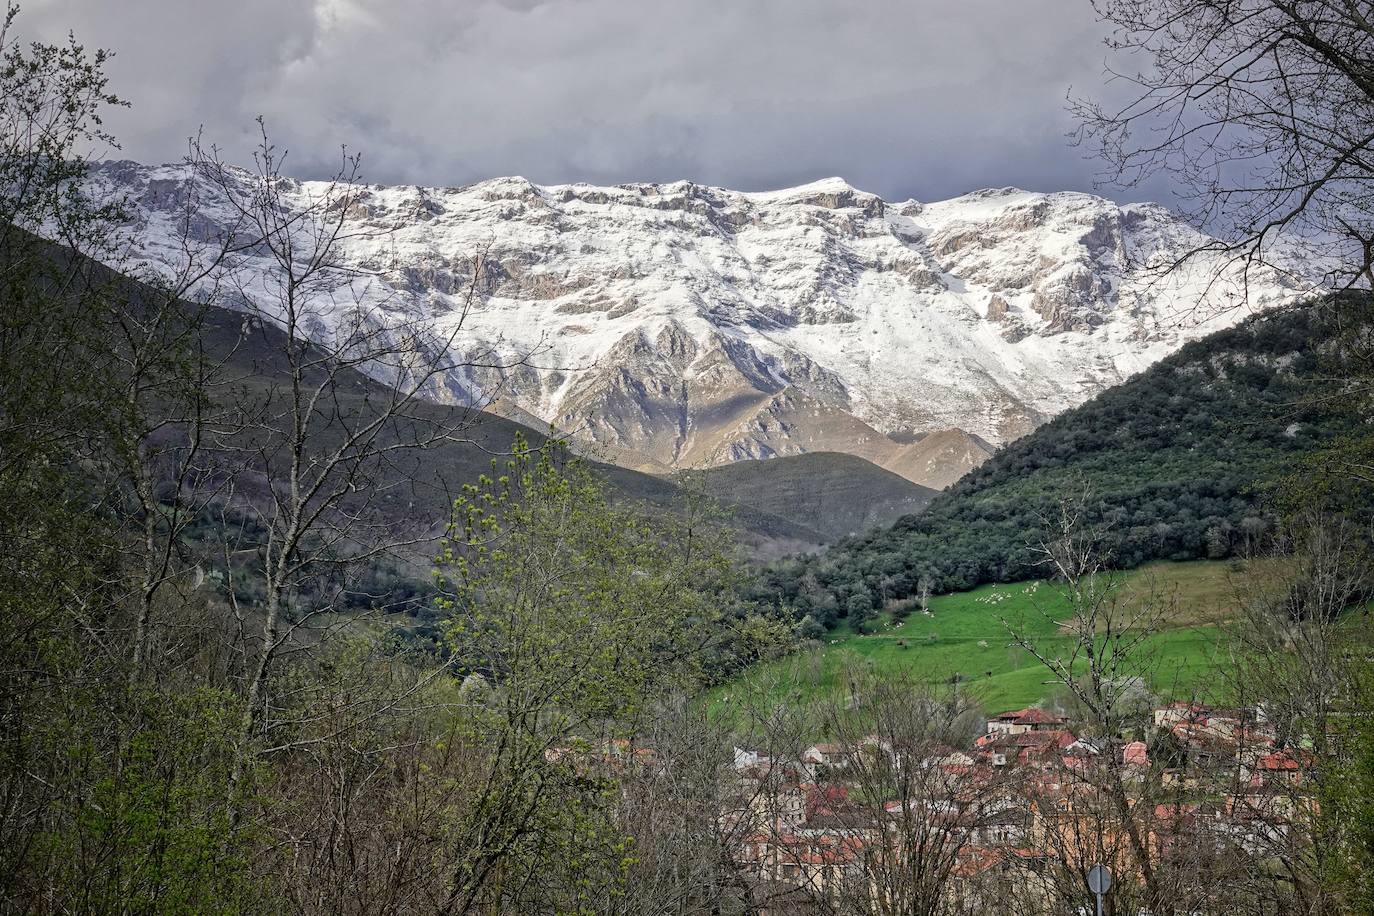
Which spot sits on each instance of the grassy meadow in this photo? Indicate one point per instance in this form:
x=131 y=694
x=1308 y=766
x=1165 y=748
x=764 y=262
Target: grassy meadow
x=965 y=636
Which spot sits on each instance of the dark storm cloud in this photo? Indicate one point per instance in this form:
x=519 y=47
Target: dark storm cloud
x=924 y=98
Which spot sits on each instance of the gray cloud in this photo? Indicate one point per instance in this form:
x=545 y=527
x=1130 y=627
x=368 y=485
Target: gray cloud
x=923 y=98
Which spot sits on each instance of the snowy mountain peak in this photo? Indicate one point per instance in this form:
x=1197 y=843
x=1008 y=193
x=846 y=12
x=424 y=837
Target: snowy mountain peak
x=679 y=324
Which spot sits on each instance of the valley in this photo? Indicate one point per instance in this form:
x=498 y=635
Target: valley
x=567 y=501
x=759 y=545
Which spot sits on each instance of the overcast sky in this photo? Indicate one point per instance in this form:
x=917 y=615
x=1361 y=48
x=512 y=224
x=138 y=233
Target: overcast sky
x=905 y=98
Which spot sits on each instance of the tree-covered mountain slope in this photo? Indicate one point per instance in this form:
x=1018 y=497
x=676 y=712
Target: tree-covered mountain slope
x=1177 y=463
x=831 y=493
x=414 y=488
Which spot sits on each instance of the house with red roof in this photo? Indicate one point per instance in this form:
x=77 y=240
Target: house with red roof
x=1024 y=720
x=1004 y=749
x=823 y=865
x=1136 y=754
x=1281 y=768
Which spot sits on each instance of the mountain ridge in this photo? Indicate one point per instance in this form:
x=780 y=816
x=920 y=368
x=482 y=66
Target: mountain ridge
x=695 y=326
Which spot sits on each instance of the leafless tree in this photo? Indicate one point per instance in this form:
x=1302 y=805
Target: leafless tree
x=918 y=806
x=304 y=433
x=1215 y=809
x=678 y=805
x=863 y=802
x=167 y=411
x=1101 y=654
x=1259 y=110
x=1298 y=658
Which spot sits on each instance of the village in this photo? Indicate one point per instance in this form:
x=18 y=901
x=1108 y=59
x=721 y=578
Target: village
x=1013 y=821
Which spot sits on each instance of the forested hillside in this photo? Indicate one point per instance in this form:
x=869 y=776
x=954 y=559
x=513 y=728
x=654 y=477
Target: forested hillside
x=1175 y=464
x=831 y=493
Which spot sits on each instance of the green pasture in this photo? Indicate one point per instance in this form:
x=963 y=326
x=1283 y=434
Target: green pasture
x=967 y=639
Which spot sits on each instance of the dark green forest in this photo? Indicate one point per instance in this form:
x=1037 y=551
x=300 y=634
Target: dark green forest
x=1186 y=461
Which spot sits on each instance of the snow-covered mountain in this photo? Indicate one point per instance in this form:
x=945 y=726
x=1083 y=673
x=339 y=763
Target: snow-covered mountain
x=678 y=325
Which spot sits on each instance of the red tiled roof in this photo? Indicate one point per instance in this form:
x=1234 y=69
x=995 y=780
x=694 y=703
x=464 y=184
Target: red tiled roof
x=817 y=850
x=824 y=798
x=974 y=860
x=1030 y=716
x=1040 y=717
x=1058 y=737
x=1166 y=811
x=1135 y=753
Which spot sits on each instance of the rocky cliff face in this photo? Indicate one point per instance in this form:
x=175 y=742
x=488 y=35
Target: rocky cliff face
x=676 y=325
